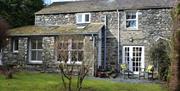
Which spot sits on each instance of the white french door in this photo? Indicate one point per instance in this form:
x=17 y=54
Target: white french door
x=133 y=56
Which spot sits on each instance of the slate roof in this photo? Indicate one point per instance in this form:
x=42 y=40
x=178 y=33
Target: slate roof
x=104 y=5
x=93 y=28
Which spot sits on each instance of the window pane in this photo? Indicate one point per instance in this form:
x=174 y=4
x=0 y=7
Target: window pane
x=16 y=43
x=33 y=44
x=74 y=55
x=33 y=55
x=39 y=44
x=128 y=16
x=60 y=45
x=80 y=55
x=79 y=18
x=39 y=55
x=87 y=18
x=65 y=45
x=74 y=45
x=133 y=16
x=80 y=45
x=131 y=23
x=63 y=56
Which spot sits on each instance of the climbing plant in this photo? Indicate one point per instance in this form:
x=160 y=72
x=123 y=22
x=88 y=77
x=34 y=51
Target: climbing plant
x=159 y=56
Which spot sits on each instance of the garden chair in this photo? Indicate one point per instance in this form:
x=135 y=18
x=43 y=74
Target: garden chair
x=125 y=71
x=149 y=71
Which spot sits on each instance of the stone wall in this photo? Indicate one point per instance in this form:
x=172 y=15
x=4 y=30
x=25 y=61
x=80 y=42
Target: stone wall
x=10 y=57
x=50 y=62
x=152 y=24
x=96 y=17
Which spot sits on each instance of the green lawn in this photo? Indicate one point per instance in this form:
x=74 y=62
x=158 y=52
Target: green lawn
x=26 y=81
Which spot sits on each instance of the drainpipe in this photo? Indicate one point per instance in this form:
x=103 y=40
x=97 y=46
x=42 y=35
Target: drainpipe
x=93 y=70
x=105 y=23
x=118 y=40
x=99 y=48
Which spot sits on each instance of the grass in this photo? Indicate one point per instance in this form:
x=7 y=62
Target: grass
x=28 y=81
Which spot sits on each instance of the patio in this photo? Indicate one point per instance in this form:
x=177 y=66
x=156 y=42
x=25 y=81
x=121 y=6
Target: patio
x=128 y=80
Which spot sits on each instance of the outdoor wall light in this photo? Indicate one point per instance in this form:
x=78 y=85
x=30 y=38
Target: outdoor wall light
x=131 y=39
x=7 y=39
x=91 y=38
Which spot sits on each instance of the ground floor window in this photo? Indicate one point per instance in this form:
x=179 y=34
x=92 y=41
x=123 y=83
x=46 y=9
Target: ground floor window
x=15 y=44
x=35 y=50
x=70 y=50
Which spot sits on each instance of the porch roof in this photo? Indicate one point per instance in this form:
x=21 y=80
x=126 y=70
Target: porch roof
x=55 y=30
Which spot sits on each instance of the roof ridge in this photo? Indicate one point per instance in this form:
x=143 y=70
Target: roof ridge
x=103 y=5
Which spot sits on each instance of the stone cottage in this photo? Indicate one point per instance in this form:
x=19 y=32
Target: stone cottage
x=109 y=31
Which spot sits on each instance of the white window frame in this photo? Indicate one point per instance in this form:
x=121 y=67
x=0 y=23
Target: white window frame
x=30 y=49
x=14 y=41
x=131 y=28
x=83 y=18
x=70 y=50
x=131 y=55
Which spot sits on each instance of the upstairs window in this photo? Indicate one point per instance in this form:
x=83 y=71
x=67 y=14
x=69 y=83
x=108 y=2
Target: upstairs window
x=15 y=44
x=132 y=20
x=83 y=18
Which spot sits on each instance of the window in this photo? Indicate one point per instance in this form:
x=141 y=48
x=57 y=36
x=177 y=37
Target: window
x=132 y=20
x=15 y=44
x=83 y=18
x=35 y=50
x=70 y=51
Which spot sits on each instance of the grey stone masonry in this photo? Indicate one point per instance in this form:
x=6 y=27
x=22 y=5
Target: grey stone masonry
x=152 y=24
x=49 y=54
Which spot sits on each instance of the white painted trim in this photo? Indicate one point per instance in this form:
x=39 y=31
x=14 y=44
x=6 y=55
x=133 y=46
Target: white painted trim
x=131 y=55
x=118 y=39
x=13 y=45
x=132 y=28
x=76 y=63
x=69 y=48
x=83 y=18
x=29 y=51
x=35 y=62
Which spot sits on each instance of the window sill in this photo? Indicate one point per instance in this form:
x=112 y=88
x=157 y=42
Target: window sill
x=78 y=23
x=15 y=51
x=132 y=29
x=71 y=63
x=35 y=62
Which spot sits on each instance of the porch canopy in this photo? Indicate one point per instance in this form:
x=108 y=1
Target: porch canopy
x=56 y=30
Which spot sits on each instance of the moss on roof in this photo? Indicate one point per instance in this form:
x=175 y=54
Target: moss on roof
x=55 y=30
x=104 y=5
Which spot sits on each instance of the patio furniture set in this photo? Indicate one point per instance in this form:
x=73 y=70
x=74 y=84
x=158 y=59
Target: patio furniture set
x=111 y=72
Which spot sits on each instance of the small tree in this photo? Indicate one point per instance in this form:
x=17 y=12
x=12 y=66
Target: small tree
x=68 y=68
x=83 y=71
x=3 y=42
x=3 y=33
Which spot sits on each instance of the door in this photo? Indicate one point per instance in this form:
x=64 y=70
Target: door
x=133 y=56
x=0 y=57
